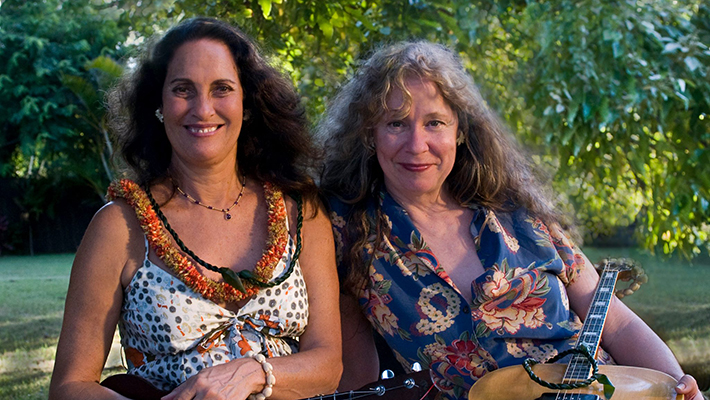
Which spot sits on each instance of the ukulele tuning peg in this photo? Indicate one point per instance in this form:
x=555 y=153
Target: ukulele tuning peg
x=409 y=383
x=387 y=374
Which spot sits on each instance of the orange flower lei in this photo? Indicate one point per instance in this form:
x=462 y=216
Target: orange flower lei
x=181 y=265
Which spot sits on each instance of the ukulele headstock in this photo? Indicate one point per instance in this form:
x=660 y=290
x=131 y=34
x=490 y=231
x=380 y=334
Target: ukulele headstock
x=615 y=264
x=629 y=271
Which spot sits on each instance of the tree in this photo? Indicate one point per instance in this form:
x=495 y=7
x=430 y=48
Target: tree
x=105 y=73
x=48 y=142
x=620 y=91
x=45 y=130
x=613 y=94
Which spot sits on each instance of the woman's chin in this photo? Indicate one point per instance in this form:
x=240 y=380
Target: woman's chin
x=204 y=157
x=415 y=190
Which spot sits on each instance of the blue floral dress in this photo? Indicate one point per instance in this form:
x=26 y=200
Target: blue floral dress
x=520 y=307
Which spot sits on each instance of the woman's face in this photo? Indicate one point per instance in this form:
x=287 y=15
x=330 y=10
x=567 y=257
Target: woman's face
x=417 y=152
x=202 y=104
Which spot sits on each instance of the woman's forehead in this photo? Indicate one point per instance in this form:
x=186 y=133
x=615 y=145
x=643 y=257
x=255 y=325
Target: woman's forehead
x=398 y=97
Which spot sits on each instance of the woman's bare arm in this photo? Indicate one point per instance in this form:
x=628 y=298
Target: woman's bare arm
x=360 y=362
x=626 y=337
x=93 y=305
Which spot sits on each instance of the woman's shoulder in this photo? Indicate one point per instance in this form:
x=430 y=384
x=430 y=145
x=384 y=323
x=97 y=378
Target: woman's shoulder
x=109 y=253
x=116 y=221
x=304 y=209
x=111 y=241
x=337 y=206
x=513 y=215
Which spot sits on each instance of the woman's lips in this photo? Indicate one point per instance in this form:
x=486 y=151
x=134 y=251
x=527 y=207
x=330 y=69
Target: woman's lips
x=415 y=167
x=202 y=130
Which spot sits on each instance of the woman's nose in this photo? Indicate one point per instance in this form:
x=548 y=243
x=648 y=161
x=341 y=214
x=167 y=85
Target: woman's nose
x=203 y=106
x=417 y=140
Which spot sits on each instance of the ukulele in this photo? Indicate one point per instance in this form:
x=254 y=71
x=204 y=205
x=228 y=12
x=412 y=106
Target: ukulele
x=414 y=386
x=631 y=383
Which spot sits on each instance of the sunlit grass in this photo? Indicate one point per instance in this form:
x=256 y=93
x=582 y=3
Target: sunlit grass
x=25 y=384
x=675 y=303
x=32 y=294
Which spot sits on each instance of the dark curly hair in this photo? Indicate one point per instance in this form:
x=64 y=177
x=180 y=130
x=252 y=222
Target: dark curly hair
x=490 y=169
x=274 y=144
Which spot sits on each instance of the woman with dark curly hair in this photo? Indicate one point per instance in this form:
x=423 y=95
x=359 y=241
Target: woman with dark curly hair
x=213 y=258
x=448 y=246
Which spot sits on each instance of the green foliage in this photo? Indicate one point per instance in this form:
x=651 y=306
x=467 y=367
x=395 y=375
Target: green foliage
x=47 y=131
x=614 y=95
x=318 y=42
x=104 y=74
x=619 y=92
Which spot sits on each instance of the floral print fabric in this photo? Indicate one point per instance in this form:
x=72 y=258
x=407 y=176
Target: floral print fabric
x=170 y=333
x=520 y=307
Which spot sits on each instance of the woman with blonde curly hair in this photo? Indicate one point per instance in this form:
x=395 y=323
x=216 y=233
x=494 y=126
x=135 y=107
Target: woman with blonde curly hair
x=448 y=245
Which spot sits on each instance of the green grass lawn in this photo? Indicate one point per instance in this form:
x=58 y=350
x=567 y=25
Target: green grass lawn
x=675 y=303
x=32 y=293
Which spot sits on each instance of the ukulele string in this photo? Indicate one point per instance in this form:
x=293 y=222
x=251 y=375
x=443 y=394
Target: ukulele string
x=578 y=365
x=351 y=395
x=427 y=392
x=578 y=369
x=358 y=394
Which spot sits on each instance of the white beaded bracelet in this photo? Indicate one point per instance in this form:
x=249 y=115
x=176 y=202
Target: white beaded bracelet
x=268 y=372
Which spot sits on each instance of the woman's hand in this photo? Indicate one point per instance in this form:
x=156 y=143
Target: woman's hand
x=235 y=380
x=317 y=366
x=688 y=387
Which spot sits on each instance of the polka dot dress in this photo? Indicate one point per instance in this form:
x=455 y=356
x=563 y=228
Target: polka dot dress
x=169 y=332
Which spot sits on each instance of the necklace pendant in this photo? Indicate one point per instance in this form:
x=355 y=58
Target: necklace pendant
x=227 y=216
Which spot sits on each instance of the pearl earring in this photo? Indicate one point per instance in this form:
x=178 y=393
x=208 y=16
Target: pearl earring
x=159 y=115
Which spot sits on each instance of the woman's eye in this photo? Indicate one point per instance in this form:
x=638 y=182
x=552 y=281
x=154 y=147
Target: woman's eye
x=224 y=89
x=396 y=124
x=181 y=90
x=437 y=123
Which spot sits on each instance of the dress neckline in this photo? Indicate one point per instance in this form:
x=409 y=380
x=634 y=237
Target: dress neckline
x=147 y=265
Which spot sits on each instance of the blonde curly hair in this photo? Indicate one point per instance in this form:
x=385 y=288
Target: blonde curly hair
x=490 y=169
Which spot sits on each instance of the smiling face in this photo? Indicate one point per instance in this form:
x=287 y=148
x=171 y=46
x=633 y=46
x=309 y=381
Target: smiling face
x=202 y=103
x=417 y=151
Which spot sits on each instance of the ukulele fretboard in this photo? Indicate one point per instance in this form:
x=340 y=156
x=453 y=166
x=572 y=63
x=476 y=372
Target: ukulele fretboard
x=579 y=367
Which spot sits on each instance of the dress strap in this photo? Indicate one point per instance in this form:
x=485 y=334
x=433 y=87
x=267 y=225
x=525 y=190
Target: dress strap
x=286 y=219
x=147 y=246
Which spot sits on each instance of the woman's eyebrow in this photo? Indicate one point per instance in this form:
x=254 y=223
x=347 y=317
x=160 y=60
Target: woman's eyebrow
x=224 y=80
x=185 y=80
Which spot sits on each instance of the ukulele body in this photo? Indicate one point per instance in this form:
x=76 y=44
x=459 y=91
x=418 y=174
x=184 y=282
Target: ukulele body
x=631 y=383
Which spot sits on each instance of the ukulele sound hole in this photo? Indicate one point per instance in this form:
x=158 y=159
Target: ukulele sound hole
x=568 y=396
